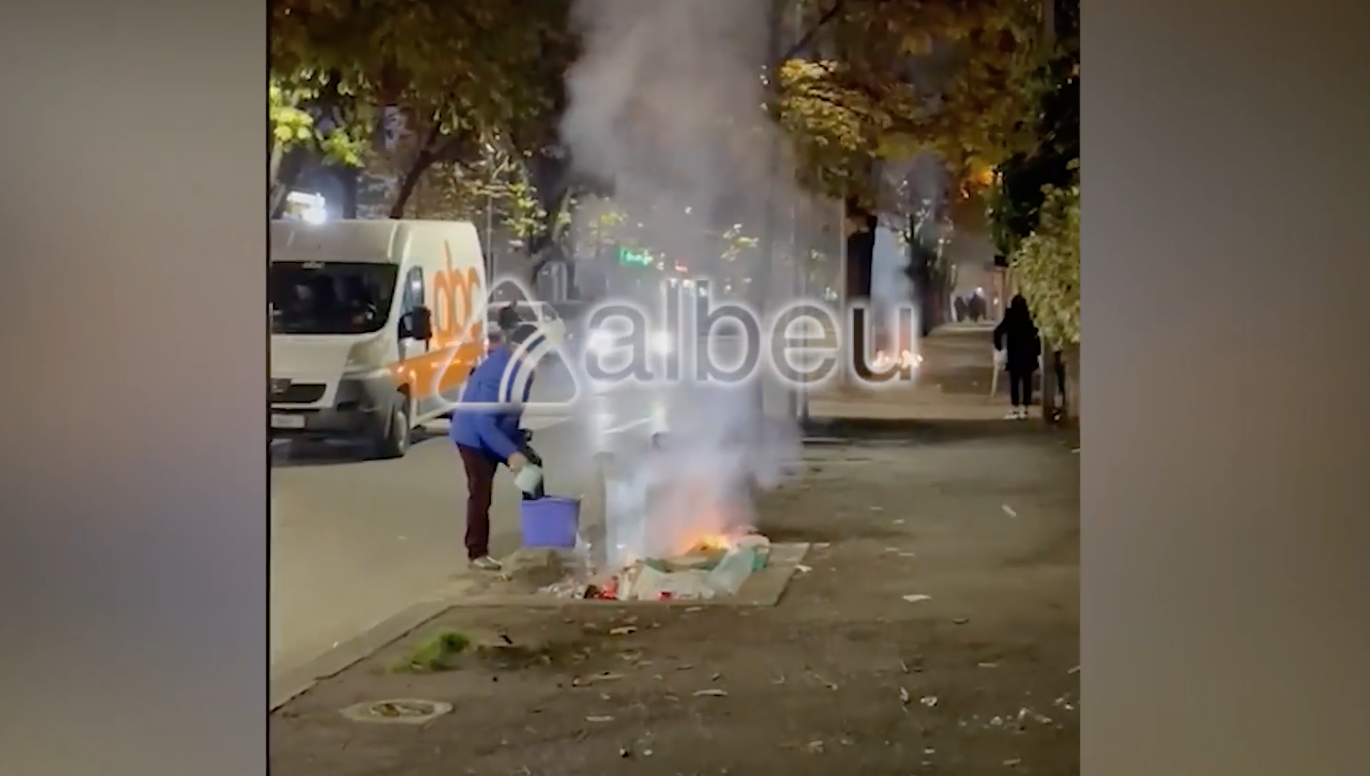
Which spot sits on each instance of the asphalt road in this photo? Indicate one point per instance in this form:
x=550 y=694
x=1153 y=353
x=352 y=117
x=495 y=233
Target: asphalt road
x=354 y=542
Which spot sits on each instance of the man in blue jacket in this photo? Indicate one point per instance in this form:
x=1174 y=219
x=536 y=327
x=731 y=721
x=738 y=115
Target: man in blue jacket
x=485 y=428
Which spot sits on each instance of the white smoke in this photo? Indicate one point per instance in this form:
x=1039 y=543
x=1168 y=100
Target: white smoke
x=890 y=284
x=666 y=103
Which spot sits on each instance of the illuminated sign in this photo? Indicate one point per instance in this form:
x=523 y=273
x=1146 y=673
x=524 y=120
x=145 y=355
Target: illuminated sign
x=640 y=258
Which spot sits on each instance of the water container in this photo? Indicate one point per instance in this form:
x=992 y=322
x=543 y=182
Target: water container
x=529 y=479
x=552 y=522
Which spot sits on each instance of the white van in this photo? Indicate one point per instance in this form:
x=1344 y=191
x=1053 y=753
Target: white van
x=375 y=326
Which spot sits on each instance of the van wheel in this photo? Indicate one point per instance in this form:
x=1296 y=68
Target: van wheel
x=395 y=437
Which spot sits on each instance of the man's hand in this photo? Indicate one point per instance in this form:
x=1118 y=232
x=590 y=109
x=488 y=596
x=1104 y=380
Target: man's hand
x=516 y=462
x=1000 y=359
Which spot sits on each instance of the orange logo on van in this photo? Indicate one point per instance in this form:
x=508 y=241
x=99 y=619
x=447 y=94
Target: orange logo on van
x=457 y=303
x=457 y=294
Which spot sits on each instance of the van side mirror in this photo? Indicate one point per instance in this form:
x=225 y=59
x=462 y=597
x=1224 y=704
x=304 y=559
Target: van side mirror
x=417 y=324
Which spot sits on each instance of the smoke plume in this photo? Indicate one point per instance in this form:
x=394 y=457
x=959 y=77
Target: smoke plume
x=666 y=105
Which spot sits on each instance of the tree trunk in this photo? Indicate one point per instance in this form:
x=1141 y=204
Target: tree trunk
x=1072 y=386
x=275 y=201
x=860 y=255
x=273 y=166
x=410 y=183
x=423 y=160
x=1050 y=385
x=349 y=181
x=551 y=183
x=288 y=170
x=548 y=245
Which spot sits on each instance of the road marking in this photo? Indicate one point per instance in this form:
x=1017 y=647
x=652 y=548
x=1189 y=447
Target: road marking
x=628 y=426
x=542 y=422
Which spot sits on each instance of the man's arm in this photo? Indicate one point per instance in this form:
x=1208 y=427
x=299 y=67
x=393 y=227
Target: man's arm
x=493 y=437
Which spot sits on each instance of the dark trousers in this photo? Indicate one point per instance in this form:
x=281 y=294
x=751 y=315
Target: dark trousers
x=1020 y=387
x=480 y=483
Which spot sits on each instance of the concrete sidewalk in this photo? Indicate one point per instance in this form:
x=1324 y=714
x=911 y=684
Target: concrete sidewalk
x=934 y=629
x=953 y=383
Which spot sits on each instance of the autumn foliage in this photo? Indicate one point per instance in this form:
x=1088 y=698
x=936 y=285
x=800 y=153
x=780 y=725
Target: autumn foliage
x=890 y=80
x=860 y=81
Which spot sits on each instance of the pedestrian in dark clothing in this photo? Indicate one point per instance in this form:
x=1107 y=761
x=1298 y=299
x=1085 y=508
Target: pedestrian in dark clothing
x=1018 y=348
x=485 y=428
x=977 y=307
x=960 y=308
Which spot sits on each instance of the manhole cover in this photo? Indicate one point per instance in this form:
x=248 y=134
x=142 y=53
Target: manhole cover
x=404 y=711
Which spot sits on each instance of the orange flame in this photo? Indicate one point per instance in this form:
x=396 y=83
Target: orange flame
x=907 y=358
x=713 y=542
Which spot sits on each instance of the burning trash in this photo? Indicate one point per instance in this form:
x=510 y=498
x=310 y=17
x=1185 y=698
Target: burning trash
x=717 y=566
x=905 y=360
x=670 y=534
x=895 y=349
x=707 y=572
x=678 y=516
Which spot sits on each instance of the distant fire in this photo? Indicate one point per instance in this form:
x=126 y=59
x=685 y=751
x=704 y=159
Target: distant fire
x=906 y=359
x=894 y=351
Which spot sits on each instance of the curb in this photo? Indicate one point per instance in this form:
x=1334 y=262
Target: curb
x=296 y=682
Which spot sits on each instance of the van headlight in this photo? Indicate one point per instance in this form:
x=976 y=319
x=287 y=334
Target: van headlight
x=366 y=356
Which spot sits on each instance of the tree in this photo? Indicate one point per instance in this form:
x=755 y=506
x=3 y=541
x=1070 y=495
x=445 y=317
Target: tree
x=1034 y=208
x=1046 y=266
x=886 y=80
x=295 y=128
x=456 y=73
x=600 y=223
x=877 y=81
x=1052 y=161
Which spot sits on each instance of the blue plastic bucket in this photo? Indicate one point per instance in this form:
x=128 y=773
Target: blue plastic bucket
x=551 y=522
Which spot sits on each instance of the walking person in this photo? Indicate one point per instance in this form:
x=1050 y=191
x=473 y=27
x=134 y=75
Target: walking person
x=1018 y=349
x=485 y=429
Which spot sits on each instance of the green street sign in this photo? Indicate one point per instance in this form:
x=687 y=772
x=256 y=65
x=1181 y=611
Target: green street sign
x=640 y=258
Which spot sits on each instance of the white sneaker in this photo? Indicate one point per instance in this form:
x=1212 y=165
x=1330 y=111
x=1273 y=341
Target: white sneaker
x=1022 y=413
x=1014 y=414
x=486 y=563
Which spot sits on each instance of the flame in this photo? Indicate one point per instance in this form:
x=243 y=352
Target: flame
x=887 y=344
x=713 y=542
x=906 y=359
x=692 y=514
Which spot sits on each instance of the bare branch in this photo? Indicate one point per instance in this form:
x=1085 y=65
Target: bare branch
x=812 y=32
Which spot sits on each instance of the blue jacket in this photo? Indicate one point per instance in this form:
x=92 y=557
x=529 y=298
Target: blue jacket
x=487 y=417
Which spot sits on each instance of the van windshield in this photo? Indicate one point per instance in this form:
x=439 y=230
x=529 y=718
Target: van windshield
x=330 y=297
